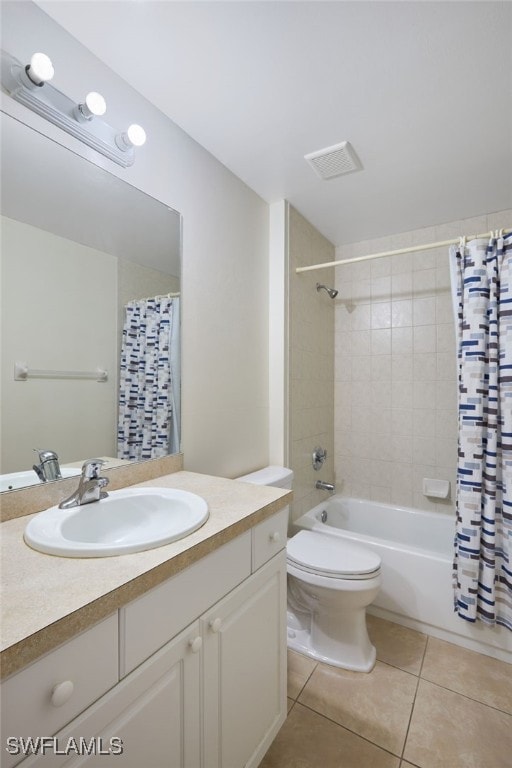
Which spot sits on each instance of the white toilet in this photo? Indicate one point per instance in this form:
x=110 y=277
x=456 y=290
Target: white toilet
x=330 y=584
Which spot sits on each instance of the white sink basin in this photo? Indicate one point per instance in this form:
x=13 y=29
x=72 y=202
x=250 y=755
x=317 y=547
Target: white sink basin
x=129 y=520
x=15 y=480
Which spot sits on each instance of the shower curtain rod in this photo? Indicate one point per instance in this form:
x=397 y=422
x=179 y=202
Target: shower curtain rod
x=399 y=251
x=161 y=296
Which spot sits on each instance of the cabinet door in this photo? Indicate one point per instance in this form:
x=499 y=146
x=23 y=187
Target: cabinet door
x=154 y=712
x=244 y=669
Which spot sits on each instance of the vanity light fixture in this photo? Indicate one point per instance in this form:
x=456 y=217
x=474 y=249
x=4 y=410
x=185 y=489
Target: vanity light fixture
x=29 y=84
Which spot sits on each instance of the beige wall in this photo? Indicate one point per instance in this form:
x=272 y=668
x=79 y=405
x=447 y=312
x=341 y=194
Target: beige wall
x=138 y=282
x=69 y=325
x=311 y=364
x=396 y=389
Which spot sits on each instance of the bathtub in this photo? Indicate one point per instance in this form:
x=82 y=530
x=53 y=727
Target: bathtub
x=416 y=549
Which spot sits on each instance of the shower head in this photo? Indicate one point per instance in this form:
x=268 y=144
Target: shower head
x=331 y=291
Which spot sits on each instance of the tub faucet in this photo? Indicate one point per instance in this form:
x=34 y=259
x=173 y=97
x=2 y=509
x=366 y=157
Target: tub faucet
x=48 y=467
x=323 y=486
x=89 y=487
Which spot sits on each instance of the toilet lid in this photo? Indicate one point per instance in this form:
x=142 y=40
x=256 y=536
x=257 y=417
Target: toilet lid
x=330 y=555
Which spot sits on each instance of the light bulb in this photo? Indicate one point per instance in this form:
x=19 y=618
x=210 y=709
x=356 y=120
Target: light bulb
x=134 y=136
x=40 y=69
x=95 y=103
x=94 y=106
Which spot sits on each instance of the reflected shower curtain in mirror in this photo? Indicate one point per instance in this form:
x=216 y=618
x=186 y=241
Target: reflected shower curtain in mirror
x=482 y=278
x=148 y=425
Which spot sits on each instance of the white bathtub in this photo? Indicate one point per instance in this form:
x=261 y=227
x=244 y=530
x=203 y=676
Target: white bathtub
x=416 y=551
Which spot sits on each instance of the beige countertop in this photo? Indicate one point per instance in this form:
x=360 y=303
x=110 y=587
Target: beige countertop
x=46 y=599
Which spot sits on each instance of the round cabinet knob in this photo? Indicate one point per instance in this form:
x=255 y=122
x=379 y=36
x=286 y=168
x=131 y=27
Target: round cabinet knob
x=62 y=693
x=215 y=625
x=275 y=537
x=196 y=644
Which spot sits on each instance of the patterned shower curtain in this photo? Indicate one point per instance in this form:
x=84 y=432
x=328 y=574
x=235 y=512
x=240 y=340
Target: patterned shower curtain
x=149 y=381
x=483 y=539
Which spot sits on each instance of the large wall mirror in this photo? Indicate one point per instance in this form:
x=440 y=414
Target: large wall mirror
x=78 y=246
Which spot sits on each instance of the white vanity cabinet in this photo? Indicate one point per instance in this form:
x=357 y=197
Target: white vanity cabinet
x=203 y=666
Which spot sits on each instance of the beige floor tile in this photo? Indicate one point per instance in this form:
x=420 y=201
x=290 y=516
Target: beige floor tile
x=308 y=740
x=400 y=646
x=376 y=706
x=472 y=674
x=290 y=703
x=299 y=669
x=450 y=731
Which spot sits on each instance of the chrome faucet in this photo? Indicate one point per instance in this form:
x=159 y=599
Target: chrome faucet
x=89 y=487
x=48 y=467
x=322 y=486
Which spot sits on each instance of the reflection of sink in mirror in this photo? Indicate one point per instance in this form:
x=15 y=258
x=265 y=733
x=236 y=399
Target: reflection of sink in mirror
x=15 y=480
x=130 y=520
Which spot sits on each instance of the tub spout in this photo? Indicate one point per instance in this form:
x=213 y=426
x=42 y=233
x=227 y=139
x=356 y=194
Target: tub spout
x=322 y=486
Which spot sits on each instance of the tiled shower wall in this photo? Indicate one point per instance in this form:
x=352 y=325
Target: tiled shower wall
x=311 y=362
x=395 y=367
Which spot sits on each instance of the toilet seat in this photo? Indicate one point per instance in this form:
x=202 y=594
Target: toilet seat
x=331 y=557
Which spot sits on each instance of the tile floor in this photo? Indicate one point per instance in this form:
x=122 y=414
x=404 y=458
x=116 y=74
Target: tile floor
x=427 y=703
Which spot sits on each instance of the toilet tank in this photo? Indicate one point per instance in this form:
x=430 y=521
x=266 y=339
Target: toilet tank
x=279 y=477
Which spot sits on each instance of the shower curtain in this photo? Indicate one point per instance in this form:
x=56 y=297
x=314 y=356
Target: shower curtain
x=149 y=397
x=482 y=290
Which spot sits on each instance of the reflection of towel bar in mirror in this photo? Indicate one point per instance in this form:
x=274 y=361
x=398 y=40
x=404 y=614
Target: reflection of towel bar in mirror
x=22 y=372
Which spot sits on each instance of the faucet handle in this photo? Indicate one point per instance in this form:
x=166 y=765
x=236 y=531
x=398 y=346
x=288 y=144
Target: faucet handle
x=39 y=472
x=319 y=456
x=91 y=468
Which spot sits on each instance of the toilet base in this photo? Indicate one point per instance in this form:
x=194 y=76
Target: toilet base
x=300 y=640
x=329 y=625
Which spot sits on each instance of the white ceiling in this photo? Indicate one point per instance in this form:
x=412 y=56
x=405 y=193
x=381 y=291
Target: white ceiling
x=422 y=90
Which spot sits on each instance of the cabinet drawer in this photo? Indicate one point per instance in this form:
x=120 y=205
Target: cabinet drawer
x=269 y=537
x=42 y=698
x=154 y=618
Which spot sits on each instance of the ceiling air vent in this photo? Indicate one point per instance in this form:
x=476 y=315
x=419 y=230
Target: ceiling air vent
x=334 y=161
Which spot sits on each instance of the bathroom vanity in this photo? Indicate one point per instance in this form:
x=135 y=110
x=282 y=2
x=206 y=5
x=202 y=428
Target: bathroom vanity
x=180 y=659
